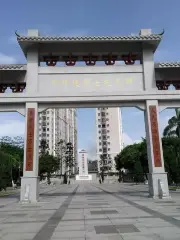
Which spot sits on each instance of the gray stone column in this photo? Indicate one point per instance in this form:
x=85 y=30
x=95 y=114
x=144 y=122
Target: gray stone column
x=158 y=184
x=30 y=179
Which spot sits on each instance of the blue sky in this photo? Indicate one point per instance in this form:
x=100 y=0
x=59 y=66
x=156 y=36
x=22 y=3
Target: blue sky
x=82 y=17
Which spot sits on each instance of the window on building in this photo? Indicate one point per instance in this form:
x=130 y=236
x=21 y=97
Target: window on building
x=99 y=137
x=108 y=143
x=104 y=150
x=47 y=129
x=99 y=131
x=100 y=150
x=99 y=120
x=109 y=149
x=47 y=123
x=103 y=114
x=104 y=131
x=104 y=138
x=47 y=118
x=107 y=125
x=107 y=119
x=106 y=113
x=108 y=131
x=99 y=126
x=44 y=129
x=47 y=112
x=47 y=135
x=99 y=143
x=99 y=114
x=108 y=136
x=103 y=125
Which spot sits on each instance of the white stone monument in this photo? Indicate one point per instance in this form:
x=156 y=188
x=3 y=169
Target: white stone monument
x=83 y=166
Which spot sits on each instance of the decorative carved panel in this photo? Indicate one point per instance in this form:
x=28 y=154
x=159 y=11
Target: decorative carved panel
x=164 y=85
x=155 y=136
x=30 y=139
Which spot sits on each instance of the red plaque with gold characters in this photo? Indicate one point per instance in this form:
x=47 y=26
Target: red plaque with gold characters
x=30 y=139
x=155 y=136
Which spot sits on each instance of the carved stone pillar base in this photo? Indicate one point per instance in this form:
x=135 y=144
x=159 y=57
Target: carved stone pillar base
x=158 y=186
x=29 y=189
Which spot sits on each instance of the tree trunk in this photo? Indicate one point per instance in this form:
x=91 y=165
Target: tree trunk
x=48 y=178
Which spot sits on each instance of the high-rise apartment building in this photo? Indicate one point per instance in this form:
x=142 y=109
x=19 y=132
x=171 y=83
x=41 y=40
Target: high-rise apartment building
x=58 y=124
x=109 y=137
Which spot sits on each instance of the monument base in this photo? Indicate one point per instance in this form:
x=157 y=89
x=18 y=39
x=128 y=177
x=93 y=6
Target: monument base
x=29 y=189
x=158 y=186
x=83 y=177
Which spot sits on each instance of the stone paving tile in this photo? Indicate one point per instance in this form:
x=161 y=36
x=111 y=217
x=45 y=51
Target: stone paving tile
x=108 y=229
x=155 y=221
x=69 y=234
x=103 y=212
x=19 y=236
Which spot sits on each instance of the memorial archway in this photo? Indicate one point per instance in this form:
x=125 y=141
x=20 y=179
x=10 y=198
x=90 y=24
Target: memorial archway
x=138 y=82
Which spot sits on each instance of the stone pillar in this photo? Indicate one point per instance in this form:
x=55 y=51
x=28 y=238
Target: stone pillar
x=158 y=184
x=30 y=179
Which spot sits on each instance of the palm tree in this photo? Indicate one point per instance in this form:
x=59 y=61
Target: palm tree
x=173 y=127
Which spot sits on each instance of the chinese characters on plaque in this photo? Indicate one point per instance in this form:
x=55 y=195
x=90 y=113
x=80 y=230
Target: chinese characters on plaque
x=83 y=167
x=155 y=136
x=30 y=139
x=89 y=82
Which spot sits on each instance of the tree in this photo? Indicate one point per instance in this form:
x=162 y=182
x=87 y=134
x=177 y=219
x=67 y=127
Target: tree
x=69 y=159
x=5 y=170
x=134 y=159
x=14 y=148
x=48 y=164
x=173 y=127
x=102 y=163
x=171 y=153
x=60 y=150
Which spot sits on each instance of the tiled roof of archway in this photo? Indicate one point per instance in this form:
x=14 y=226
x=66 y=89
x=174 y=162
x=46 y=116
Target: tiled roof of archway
x=13 y=67
x=167 y=64
x=92 y=38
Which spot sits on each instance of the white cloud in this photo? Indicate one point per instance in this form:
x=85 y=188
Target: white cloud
x=5 y=59
x=12 y=128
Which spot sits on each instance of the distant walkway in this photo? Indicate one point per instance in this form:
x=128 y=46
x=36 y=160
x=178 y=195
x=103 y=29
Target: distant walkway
x=92 y=211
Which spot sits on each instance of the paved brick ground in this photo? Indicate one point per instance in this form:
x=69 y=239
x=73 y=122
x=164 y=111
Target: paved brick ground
x=91 y=211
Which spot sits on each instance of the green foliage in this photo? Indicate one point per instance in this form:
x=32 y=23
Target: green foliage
x=171 y=152
x=132 y=156
x=173 y=127
x=48 y=164
x=60 y=150
x=134 y=159
x=11 y=160
x=5 y=170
